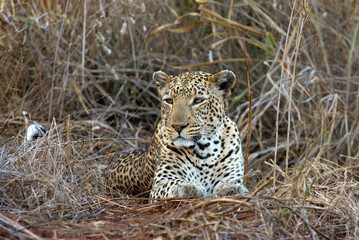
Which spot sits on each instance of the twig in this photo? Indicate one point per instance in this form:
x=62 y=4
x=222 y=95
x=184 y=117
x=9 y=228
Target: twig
x=262 y=186
x=245 y=171
x=83 y=44
x=18 y=227
x=68 y=140
x=285 y=51
x=55 y=58
x=300 y=28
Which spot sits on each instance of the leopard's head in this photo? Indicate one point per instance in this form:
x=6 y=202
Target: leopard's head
x=192 y=104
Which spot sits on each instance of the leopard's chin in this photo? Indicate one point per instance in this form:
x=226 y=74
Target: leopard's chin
x=182 y=142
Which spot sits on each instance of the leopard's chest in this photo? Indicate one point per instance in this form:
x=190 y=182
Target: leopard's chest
x=211 y=161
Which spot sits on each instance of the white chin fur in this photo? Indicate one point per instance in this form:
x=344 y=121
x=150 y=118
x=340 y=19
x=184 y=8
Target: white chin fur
x=181 y=142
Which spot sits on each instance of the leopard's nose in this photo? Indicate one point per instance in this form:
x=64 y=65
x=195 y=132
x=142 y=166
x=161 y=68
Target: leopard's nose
x=179 y=127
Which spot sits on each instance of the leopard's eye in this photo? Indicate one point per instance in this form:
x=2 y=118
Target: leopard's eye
x=168 y=100
x=198 y=100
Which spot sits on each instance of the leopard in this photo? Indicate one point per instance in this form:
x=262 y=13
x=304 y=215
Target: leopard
x=196 y=148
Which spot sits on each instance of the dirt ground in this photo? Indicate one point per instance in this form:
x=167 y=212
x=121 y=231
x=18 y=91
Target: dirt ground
x=136 y=220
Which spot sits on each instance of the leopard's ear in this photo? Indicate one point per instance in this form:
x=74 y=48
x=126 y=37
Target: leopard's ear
x=161 y=79
x=224 y=82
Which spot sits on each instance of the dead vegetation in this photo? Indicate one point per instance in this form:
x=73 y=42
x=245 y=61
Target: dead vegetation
x=83 y=69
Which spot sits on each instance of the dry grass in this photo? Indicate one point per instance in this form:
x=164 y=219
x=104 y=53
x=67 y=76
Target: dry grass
x=88 y=64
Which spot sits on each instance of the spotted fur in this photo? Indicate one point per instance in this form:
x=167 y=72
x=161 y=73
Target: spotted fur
x=196 y=149
x=133 y=172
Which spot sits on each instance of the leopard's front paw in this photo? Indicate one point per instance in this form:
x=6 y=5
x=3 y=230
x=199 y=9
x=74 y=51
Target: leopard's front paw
x=232 y=188
x=187 y=190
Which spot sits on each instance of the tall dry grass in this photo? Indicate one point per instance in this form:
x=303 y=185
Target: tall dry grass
x=83 y=69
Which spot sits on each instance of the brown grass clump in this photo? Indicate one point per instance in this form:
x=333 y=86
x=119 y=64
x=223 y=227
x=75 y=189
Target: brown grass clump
x=83 y=69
